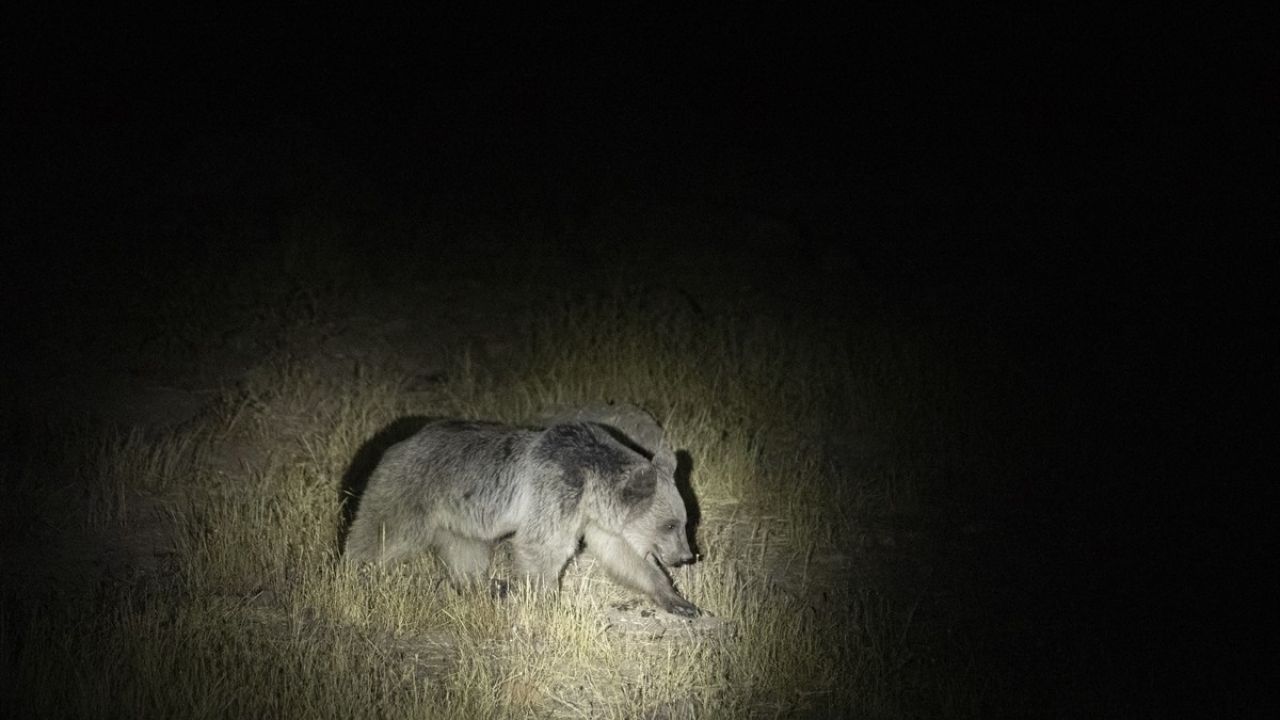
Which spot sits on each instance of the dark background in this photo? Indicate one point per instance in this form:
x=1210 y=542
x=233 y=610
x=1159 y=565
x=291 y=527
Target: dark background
x=1097 y=187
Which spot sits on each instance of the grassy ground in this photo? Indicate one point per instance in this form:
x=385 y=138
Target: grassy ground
x=964 y=344
x=189 y=569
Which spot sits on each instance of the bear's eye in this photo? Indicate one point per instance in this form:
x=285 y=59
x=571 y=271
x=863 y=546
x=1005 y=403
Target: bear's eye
x=672 y=525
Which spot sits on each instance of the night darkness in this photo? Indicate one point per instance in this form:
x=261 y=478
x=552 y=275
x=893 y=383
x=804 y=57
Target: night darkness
x=1072 y=210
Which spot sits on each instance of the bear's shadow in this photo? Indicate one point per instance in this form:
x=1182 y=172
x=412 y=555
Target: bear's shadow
x=684 y=473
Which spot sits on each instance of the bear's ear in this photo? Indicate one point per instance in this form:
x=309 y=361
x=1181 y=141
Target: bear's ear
x=665 y=458
x=639 y=484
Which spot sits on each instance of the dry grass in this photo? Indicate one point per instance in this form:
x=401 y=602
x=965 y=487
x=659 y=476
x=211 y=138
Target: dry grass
x=251 y=616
